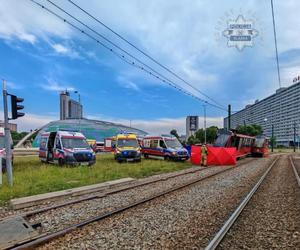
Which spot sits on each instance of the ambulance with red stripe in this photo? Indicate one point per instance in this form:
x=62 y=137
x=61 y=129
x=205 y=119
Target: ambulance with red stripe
x=66 y=147
x=166 y=146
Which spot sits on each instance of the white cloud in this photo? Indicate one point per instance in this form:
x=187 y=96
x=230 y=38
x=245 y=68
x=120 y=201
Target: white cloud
x=180 y=34
x=26 y=22
x=12 y=85
x=155 y=126
x=127 y=83
x=65 y=50
x=165 y=125
x=162 y=125
x=60 y=48
x=289 y=73
x=54 y=86
x=32 y=121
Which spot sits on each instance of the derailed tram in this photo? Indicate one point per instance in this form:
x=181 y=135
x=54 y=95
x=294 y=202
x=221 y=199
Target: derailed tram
x=260 y=146
x=245 y=145
x=242 y=143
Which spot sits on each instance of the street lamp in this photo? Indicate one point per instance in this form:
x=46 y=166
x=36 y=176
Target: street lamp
x=272 y=137
x=80 y=113
x=79 y=101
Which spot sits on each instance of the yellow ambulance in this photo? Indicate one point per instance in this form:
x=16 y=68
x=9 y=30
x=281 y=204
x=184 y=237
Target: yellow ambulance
x=126 y=148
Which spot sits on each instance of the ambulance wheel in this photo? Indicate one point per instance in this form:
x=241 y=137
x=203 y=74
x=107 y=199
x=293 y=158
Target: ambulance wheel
x=167 y=158
x=146 y=156
x=61 y=162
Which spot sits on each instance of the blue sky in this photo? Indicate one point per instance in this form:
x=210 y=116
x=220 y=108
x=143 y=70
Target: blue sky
x=40 y=56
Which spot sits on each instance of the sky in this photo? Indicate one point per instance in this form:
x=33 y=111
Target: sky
x=41 y=56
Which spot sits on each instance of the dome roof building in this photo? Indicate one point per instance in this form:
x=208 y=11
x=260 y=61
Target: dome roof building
x=92 y=129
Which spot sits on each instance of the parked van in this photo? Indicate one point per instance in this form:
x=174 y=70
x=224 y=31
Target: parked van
x=66 y=147
x=167 y=147
x=126 y=147
x=109 y=143
x=92 y=143
x=2 y=148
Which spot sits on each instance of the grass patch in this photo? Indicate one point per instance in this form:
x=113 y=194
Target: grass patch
x=284 y=150
x=33 y=177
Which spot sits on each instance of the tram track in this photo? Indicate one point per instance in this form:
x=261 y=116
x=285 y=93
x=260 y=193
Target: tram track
x=113 y=210
x=243 y=226
x=296 y=171
x=139 y=184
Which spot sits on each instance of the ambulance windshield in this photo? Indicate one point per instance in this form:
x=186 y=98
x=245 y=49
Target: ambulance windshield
x=173 y=143
x=74 y=143
x=127 y=143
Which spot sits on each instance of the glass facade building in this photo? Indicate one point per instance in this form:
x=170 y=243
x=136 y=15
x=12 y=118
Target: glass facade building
x=92 y=129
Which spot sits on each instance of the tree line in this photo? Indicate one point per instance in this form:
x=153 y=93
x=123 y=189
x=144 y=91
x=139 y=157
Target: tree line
x=211 y=134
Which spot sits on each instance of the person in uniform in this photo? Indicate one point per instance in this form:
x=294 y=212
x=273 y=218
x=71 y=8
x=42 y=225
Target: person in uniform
x=204 y=154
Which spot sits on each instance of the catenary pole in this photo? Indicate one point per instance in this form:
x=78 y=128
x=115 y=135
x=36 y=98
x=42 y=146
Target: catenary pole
x=7 y=137
x=229 y=117
x=204 y=106
x=294 y=136
x=272 y=142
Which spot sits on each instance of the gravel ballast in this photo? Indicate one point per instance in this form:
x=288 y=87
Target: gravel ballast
x=59 y=218
x=271 y=218
x=185 y=219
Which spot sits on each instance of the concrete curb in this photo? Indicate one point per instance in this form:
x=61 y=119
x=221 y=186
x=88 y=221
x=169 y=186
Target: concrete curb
x=29 y=201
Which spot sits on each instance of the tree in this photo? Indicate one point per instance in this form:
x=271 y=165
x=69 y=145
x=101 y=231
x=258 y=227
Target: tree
x=192 y=140
x=174 y=132
x=251 y=130
x=199 y=137
x=17 y=136
x=211 y=134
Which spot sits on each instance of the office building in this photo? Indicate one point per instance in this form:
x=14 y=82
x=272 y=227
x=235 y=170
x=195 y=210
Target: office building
x=69 y=109
x=192 y=125
x=280 y=110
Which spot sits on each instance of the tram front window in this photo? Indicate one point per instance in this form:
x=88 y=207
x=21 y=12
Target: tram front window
x=221 y=140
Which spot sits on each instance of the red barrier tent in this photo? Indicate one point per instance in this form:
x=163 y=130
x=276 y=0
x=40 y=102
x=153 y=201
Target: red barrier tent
x=216 y=156
x=196 y=155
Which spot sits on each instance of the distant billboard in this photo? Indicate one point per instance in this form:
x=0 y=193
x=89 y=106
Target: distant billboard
x=193 y=124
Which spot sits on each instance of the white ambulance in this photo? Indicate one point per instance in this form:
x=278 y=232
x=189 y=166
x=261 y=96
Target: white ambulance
x=66 y=147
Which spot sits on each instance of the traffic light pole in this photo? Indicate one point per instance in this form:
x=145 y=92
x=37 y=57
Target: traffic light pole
x=7 y=138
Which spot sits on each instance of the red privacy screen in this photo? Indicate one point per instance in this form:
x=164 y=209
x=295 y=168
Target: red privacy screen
x=216 y=156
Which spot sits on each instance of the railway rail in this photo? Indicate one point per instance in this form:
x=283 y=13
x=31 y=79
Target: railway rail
x=41 y=239
x=221 y=234
x=295 y=171
x=120 y=189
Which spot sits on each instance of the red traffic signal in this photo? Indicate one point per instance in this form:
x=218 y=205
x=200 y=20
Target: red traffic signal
x=15 y=107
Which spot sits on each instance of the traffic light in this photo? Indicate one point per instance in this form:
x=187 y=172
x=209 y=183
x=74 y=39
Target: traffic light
x=15 y=107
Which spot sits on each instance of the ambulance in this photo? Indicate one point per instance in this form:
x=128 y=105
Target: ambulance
x=165 y=146
x=66 y=147
x=126 y=148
